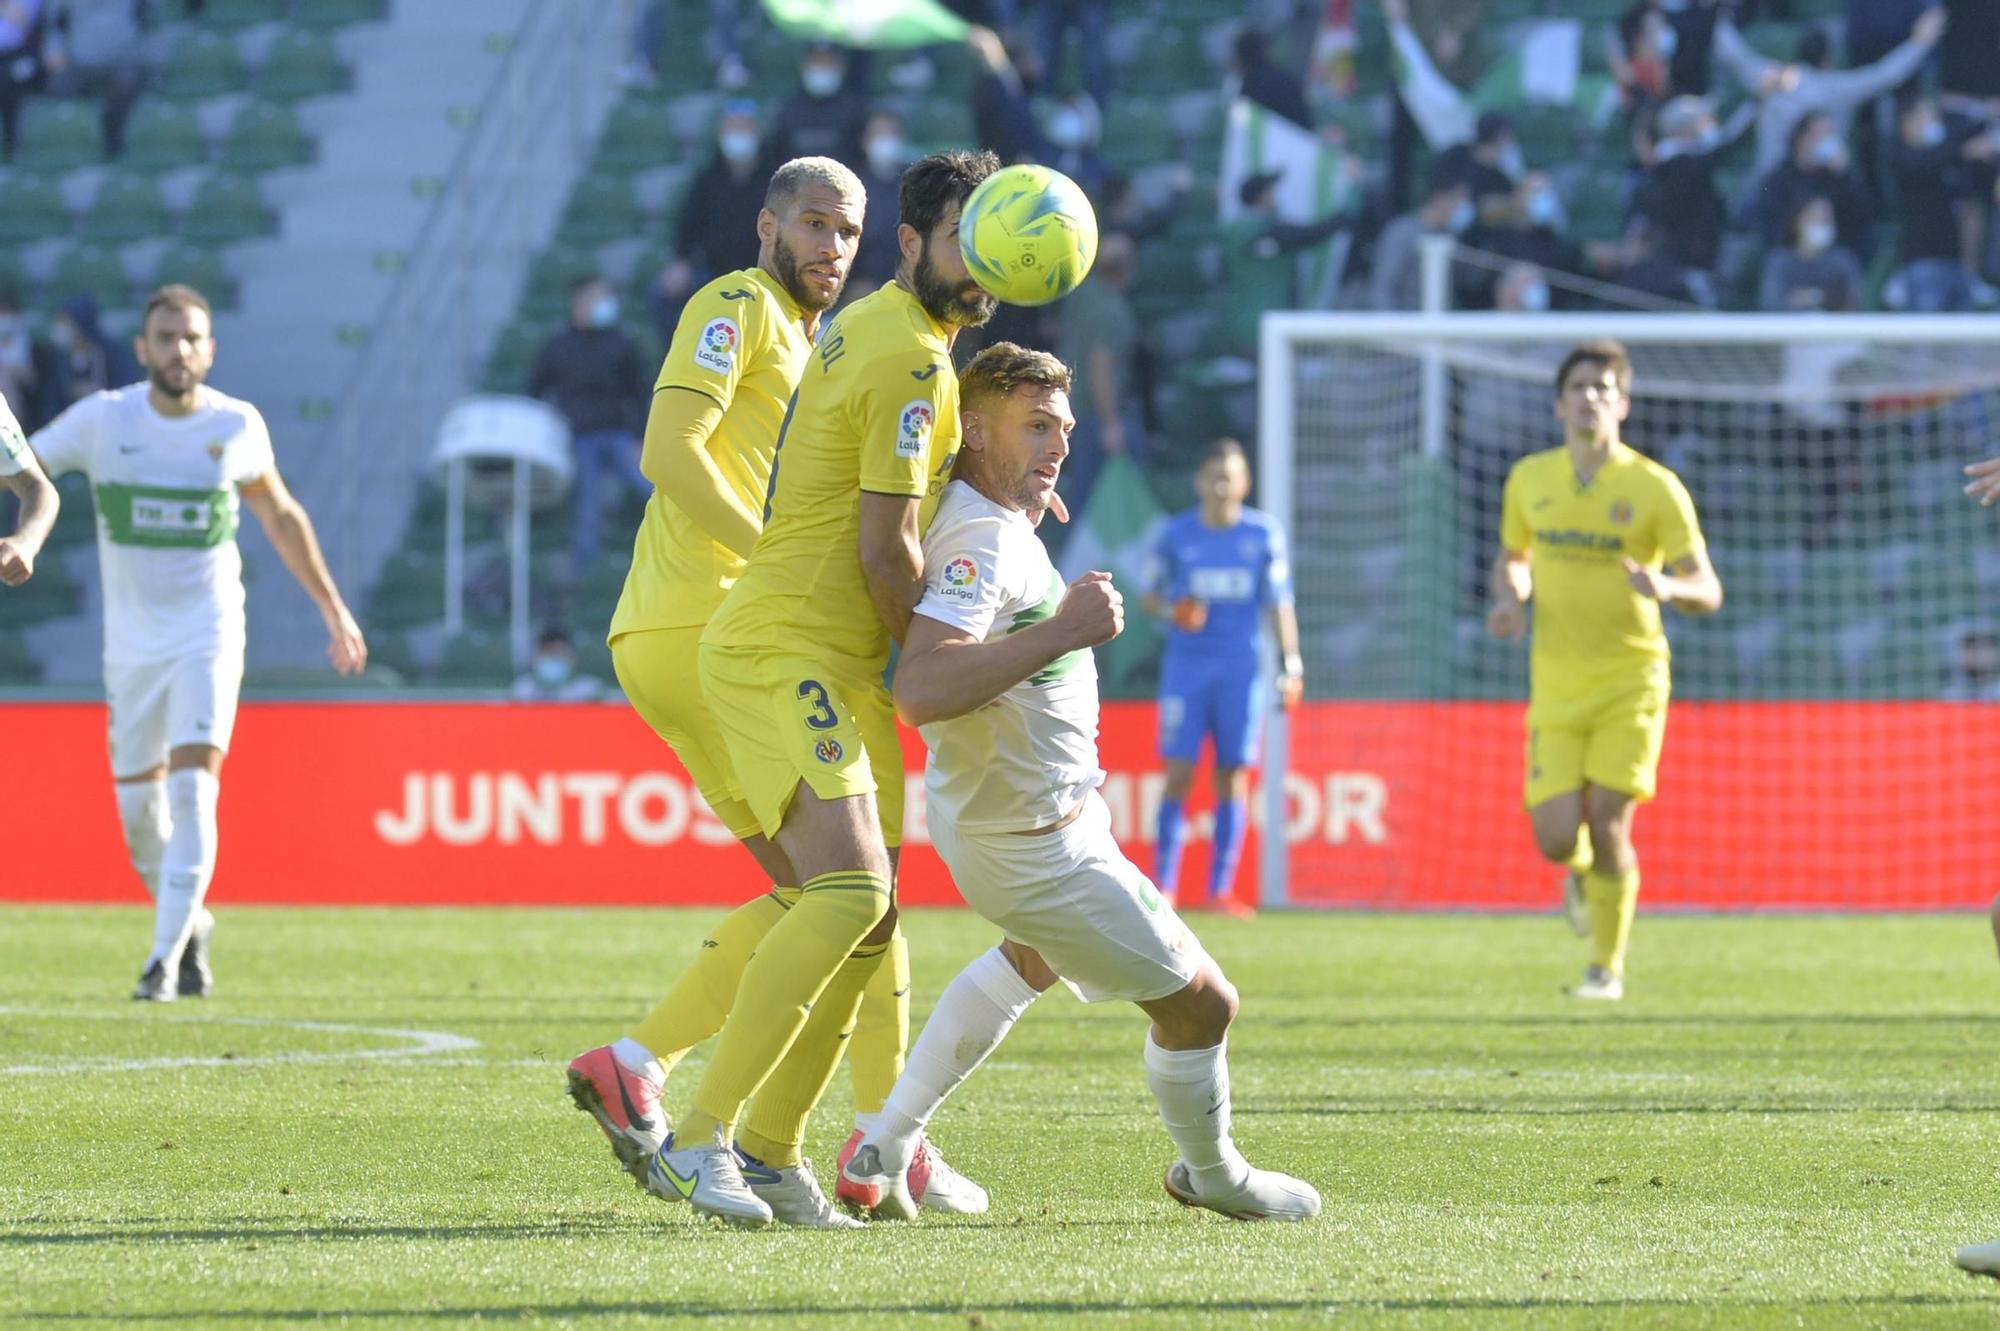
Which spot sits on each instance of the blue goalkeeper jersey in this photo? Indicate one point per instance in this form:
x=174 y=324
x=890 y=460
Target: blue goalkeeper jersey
x=1238 y=572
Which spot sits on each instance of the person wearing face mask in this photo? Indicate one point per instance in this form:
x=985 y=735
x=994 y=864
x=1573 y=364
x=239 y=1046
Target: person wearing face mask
x=1933 y=168
x=1820 y=167
x=87 y=361
x=1816 y=272
x=590 y=371
x=716 y=231
x=552 y=675
x=1073 y=125
x=1003 y=116
x=1491 y=166
x=28 y=370
x=1536 y=229
x=1678 y=197
x=1522 y=289
x=1395 y=282
x=826 y=116
x=885 y=152
x=1975 y=674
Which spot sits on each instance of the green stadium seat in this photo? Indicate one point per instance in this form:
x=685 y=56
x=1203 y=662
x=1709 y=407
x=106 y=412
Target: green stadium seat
x=201 y=268
x=59 y=136
x=50 y=594
x=477 y=660
x=233 y=14
x=410 y=590
x=300 y=64
x=337 y=13
x=76 y=519
x=227 y=207
x=18 y=666
x=91 y=270
x=513 y=356
x=601 y=209
x=162 y=136
x=638 y=136
x=203 y=64
x=128 y=206
x=546 y=301
x=31 y=209
x=265 y=136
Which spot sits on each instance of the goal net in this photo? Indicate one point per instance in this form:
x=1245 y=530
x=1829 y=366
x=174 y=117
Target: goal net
x=1833 y=729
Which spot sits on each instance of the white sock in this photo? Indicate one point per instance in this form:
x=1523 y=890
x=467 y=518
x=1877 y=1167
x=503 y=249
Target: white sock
x=867 y=1123
x=189 y=861
x=1192 y=1089
x=972 y=1017
x=142 y=810
x=635 y=1057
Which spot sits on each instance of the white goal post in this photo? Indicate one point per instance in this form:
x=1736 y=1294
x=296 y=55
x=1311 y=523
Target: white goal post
x=1824 y=454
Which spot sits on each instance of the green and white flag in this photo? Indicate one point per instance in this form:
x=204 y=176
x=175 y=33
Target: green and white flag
x=1115 y=532
x=872 y=24
x=1315 y=180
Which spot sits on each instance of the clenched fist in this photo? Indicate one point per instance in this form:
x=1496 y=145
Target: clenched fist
x=1092 y=610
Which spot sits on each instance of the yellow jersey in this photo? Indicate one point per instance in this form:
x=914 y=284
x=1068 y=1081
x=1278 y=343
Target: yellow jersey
x=1589 y=623
x=876 y=410
x=741 y=341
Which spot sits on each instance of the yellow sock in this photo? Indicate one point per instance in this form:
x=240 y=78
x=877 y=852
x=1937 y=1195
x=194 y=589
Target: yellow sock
x=1582 y=857
x=882 y=1031
x=775 y=1131
x=796 y=960
x=697 y=1005
x=1613 y=898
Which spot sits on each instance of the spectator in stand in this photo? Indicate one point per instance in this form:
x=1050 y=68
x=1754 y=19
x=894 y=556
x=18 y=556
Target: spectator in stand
x=1535 y=228
x=1678 y=197
x=1396 y=282
x=28 y=371
x=1490 y=165
x=1816 y=272
x=1121 y=211
x=657 y=26
x=98 y=50
x=552 y=676
x=885 y=152
x=1003 y=113
x=1643 y=269
x=1098 y=337
x=86 y=360
x=1074 y=127
x=1253 y=74
x=1523 y=288
x=1091 y=19
x=1931 y=167
x=1975 y=677
x=717 y=228
x=590 y=371
x=1642 y=57
x=1811 y=84
x=825 y=117
x=1819 y=167
x=23 y=28
x=1258 y=259
x=1693 y=43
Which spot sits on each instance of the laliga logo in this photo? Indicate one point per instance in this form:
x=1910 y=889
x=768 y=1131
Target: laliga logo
x=916 y=421
x=719 y=337
x=959 y=573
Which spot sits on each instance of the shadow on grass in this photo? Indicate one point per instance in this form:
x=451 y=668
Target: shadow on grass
x=138 y=1231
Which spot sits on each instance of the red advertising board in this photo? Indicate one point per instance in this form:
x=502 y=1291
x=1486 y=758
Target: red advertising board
x=1780 y=805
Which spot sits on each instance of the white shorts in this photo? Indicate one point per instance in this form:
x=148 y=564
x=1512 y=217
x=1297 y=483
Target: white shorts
x=157 y=706
x=1073 y=897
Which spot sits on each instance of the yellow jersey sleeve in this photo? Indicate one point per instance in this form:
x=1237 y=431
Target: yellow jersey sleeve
x=903 y=399
x=1679 y=532
x=1515 y=534
x=722 y=329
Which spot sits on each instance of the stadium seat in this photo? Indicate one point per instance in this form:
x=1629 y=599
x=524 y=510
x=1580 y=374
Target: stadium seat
x=410 y=590
x=336 y=13
x=201 y=268
x=31 y=209
x=638 y=136
x=76 y=519
x=91 y=270
x=265 y=136
x=233 y=14
x=513 y=356
x=477 y=660
x=601 y=209
x=301 y=64
x=59 y=135
x=227 y=207
x=202 y=64
x=162 y=136
x=546 y=300
x=128 y=206
x=51 y=594
x=18 y=665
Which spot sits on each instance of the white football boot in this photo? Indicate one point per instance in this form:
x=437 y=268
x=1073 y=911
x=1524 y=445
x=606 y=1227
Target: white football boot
x=1262 y=1195
x=1599 y=983
x=708 y=1178
x=793 y=1194
x=1981 y=1259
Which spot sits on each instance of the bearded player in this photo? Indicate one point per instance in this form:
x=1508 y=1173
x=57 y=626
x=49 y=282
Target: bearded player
x=171 y=462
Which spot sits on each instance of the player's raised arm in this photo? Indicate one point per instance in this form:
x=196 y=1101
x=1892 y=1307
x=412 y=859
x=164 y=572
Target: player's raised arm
x=23 y=475
x=285 y=521
x=946 y=671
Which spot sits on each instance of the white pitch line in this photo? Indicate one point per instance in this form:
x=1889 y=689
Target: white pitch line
x=423 y=1044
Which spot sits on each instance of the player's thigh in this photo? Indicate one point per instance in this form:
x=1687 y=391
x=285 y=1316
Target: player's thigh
x=136 y=697
x=1236 y=716
x=202 y=693
x=658 y=670
x=1073 y=897
x=1623 y=753
x=790 y=724
x=1554 y=754
x=1183 y=712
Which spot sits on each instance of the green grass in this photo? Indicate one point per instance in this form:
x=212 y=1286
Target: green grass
x=1790 y=1122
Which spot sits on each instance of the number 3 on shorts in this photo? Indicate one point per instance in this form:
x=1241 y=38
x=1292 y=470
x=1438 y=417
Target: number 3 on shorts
x=821 y=717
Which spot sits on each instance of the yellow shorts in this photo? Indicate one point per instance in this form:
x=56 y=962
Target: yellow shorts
x=656 y=668
x=787 y=718
x=1610 y=738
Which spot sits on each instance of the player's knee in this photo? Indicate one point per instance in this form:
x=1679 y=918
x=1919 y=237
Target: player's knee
x=1205 y=1011
x=1611 y=844
x=1556 y=844
x=1232 y=783
x=884 y=930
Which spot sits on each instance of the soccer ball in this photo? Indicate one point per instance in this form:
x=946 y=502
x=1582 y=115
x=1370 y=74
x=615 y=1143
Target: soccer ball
x=1028 y=235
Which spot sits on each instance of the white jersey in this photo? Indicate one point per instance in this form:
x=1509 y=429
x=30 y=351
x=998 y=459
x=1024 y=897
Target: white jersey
x=1027 y=759
x=13 y=446
x=166 y=515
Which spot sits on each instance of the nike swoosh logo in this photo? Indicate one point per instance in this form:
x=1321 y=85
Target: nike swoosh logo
x=632 y=1114
x=684 y=1186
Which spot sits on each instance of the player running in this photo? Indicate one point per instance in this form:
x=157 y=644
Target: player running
x=168 y=462
x=1599 y=537
x=792 y=663
x=1214 y=569
x=20 y=473
x=997 y=671
x=717 y=408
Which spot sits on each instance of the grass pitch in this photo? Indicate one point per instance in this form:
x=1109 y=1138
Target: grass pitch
x=1790 y=1122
